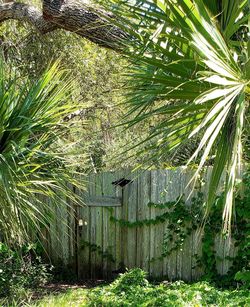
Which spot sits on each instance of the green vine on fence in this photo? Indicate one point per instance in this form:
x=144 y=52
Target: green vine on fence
x=162 y=218
x=183 y=219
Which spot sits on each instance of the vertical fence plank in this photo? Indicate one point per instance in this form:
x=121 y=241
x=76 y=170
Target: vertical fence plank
x=143 y=213
x=109 y=232
x=132 y=216
x=160 y=198
x=98 y=212
x=231 y=251
x=228 y=252
x=92 y=227
x=186 y=250
x=55 y=253
x=119 y=192
x=177 y=190
x=105 y=229
x=139 y=216
x=71 y=232
x=219 y=251
x=174 y=192
x=166 y=198
x=63 y=231
x=197 y=271
x=124 y=230
x=83 y=253
x=106 y=224
x=153 y=256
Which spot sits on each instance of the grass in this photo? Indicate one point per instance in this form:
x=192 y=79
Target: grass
x=72 y=297
x=133 y=289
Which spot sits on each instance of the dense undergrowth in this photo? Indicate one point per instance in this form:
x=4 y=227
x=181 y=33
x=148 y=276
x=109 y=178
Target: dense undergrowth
x=21 y=271
x=133 y=289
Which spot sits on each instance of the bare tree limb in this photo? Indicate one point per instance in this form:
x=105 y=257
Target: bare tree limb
x=73 y=16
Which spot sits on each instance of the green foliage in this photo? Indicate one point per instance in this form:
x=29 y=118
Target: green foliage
x=190 y=73
x=240 y=237
x=166 y=216
x=183 y=219
x=21 y=270
x=36 y=158
x=133 y=278
x=244 y=277
x=70 y=297
x=97 y=86
x=100 y=86
x=132 y=289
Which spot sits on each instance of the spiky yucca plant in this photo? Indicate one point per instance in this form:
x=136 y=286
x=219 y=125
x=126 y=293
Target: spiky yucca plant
x=191 y=71
x=36 y=157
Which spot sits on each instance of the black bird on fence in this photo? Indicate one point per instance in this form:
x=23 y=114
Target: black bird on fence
x=121 y=182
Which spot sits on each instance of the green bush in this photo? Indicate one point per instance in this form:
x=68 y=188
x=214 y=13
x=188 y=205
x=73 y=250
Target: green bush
x=132 y=289
x=131 y=279
x=21 y=270
x=244 y=277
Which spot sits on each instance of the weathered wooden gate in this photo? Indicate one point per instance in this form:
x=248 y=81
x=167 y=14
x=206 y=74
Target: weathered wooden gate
x=98 y=247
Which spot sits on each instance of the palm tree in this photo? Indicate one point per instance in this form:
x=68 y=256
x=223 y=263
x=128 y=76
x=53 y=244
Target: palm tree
x=36 y=157
x=191 y=71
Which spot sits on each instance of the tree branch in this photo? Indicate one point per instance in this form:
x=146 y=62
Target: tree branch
x=26 y=13
x=73 y=16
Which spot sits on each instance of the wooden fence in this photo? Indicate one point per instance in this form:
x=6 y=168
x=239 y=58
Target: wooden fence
x=97 y=247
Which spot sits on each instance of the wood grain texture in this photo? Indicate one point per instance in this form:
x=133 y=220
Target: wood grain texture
x=104 y=201
x=131 y=208
x=136 y=246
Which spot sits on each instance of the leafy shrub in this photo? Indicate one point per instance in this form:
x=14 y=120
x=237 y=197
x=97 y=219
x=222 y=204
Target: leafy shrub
x=132 y=289
x=132 y=278
x=244 y=277
x=20 y=270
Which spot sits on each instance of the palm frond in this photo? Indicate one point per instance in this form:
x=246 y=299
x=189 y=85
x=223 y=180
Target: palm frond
x=190 y=73
x=36 y=159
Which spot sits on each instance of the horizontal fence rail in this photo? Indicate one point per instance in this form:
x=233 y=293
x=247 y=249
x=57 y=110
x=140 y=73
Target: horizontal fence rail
x=96 y=246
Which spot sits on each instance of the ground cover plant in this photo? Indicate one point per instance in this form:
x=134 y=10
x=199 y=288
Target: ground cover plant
x=133 y=289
